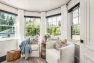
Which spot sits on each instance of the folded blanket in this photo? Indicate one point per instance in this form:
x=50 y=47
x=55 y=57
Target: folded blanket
x=25 y=47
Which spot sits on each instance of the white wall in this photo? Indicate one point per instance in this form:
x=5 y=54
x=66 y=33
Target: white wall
x=52 y=12
x=43 y=26
x=69 y=25
x=72 y=3
x=8 y=8
x=27 y=13
x=6 y=45
x=20 y=23
x=64 y=21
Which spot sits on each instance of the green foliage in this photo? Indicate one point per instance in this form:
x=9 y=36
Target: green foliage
x=6 y=21
x=3 y=28
x=11 y=21
x=54 y=31
x=76 y=29
x=32 y=29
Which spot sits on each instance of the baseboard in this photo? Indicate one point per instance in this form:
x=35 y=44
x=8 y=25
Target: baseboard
x=3 y=58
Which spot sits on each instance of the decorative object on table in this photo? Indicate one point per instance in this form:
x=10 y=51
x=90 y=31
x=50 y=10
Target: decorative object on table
x=46 y=36
x=43 y=47
x=13 y=55
x=43 y=50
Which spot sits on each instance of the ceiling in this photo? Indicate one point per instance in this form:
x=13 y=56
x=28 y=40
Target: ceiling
x=35 y=5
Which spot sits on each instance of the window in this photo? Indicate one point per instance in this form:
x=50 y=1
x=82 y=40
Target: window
x=54 y=25
x=7 y=25
x=32 y=26
x=76 y=25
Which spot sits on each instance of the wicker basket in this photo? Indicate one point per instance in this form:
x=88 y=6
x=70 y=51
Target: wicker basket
x=13 y=55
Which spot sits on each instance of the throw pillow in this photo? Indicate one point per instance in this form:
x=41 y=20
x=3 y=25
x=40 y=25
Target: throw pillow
x=64 y=43
x=58 y=44
x=34 y=41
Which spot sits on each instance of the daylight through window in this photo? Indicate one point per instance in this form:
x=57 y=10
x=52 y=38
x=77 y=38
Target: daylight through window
x=32 y=26
x=76 y=25
x=7 y=25
x=54 y=24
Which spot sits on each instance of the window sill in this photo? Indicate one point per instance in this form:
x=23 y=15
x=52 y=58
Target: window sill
x=75 y=41
x=7 y=39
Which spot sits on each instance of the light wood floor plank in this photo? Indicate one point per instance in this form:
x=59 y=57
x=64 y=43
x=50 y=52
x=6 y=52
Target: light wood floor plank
x=29 y=60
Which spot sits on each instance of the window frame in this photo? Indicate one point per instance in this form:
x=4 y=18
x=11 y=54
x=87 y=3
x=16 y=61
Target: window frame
x=12 y=14
x=53 y=16
x=30 y=19
x=77 y=6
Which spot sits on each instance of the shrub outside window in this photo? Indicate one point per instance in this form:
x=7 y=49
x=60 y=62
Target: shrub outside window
x=32 y=26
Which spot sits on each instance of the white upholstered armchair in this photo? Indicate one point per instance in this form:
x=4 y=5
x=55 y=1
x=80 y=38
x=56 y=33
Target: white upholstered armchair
x=63 y=55
x=35 y=50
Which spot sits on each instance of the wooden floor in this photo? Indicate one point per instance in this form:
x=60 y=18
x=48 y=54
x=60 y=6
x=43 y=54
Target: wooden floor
x=30 y=60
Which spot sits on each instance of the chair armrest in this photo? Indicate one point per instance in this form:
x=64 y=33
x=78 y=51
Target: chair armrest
x=67 y=53
x=50 y=44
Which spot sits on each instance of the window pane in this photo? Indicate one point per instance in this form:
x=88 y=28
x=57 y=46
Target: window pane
x=7 y=25
x=54 y=26
x=75 y=13
x=32 y=27
x=27 y=20
x=76 y=25
x=75 y=21
x=6 y=32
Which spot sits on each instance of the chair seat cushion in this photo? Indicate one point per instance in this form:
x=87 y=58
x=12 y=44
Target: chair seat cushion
x=34 y=47
x=53 y=53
